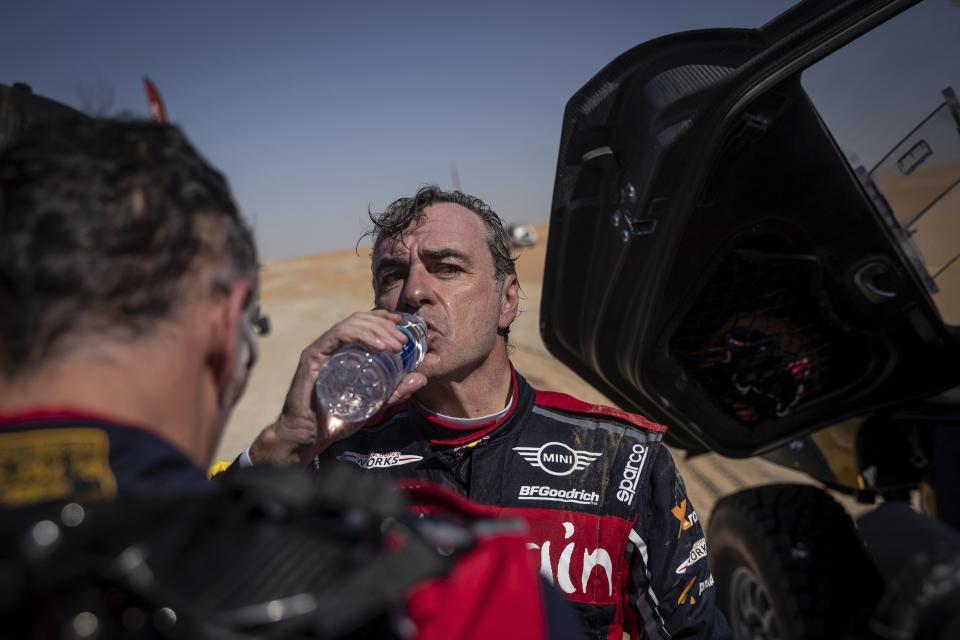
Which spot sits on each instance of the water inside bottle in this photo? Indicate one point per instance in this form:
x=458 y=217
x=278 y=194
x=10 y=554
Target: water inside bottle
x=355 y=382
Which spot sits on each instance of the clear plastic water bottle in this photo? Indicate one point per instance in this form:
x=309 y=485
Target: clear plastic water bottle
x=356 y=381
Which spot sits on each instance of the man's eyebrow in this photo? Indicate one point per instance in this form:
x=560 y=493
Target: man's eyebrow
x=391 y=263
x=440 y=254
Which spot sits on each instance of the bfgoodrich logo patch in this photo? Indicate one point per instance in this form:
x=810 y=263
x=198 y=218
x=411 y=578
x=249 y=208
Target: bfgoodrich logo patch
x=543 y=492
x=378 y=460
x=556 y=458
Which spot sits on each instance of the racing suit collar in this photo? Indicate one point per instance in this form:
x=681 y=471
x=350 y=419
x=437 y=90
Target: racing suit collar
x=465 y=424
x=444 y=433
x=66 y=414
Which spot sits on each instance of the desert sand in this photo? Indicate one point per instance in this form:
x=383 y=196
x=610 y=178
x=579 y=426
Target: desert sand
x=305 y=296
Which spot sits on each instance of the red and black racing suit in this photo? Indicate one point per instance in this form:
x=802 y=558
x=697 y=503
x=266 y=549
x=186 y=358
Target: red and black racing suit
x=610 y=522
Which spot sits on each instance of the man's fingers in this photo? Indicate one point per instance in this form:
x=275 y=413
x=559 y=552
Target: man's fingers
x=389 y=315
x=375 y=330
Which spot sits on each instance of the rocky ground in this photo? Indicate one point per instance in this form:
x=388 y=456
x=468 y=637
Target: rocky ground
x=305 y=296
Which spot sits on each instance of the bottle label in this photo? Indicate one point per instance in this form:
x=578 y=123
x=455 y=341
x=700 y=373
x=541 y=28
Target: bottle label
x=415 y=328
x=409 y=354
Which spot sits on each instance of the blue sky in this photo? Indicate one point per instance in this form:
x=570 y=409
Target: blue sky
x=318 y=110
x=874 y=91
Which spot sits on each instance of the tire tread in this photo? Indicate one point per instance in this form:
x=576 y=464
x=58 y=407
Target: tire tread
x=824 y=572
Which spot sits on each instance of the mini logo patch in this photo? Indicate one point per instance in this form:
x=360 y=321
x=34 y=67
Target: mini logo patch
x=378 y=460
x=556 y=458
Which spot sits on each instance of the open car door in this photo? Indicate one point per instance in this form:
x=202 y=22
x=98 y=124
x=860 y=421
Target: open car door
x=720 y=260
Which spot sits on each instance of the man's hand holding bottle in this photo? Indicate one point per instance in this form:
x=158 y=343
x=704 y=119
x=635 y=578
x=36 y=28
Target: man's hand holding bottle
x=374 y=353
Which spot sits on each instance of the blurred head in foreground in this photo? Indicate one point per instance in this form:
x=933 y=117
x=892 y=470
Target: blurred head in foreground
x=127 y=280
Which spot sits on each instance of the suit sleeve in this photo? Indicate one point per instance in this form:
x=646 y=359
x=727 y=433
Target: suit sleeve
x=671 y=589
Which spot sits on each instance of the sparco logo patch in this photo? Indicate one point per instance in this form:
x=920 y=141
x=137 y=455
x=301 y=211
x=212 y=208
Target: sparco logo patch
x=631 y=474
x=556 y=458
x=697 y=553
x=576 y=496
x=378 y=460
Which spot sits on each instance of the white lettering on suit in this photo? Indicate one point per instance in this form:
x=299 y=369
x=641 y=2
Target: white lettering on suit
x=591 y=559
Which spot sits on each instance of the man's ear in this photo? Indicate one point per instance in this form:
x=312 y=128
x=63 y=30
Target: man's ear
x=226 y=347
x=509 y=301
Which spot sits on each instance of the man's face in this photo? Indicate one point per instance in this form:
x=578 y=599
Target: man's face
x=442 y=269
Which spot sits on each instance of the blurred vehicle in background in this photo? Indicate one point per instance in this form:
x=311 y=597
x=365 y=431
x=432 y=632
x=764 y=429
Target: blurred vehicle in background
x=522 y=235
x=754 y=239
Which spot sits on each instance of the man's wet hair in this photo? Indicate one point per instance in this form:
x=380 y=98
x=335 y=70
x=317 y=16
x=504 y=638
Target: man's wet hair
x=102 y=226
x=403 y=212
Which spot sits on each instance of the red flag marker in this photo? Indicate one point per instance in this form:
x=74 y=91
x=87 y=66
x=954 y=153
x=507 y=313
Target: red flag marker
x=154 y=101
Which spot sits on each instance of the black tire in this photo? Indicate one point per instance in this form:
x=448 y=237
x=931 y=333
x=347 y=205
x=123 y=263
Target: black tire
x=789 y=565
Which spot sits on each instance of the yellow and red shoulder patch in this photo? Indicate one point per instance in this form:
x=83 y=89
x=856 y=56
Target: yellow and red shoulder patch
x=55 y=464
